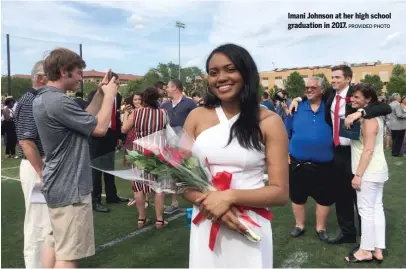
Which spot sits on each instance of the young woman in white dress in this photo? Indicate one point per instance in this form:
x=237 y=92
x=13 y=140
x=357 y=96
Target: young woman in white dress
x=235 y=135
x=370 y=173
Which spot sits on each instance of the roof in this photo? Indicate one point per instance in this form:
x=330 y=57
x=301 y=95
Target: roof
x=328 y=66
x=21 y=76
x=91 y=74
x=94 y=73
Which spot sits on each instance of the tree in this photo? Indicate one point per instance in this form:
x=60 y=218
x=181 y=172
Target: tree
x=261 y=90
x=191 y=78
x=397 y=84
x=19 y=86
x=273 y=90
x=133 y=86
x=88 y=87
x=322 y=75
x=398 y=70
x=149 y=79
x=295 y=85
x=376 y=80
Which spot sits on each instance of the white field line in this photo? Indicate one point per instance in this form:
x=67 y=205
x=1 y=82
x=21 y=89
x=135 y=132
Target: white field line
x=295 y=260
x=9 y=178
x=137 y=232
x=7 y=168
x=127 y=236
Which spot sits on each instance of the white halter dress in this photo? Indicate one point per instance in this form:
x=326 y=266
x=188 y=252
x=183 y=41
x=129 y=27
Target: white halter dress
x=231 y=249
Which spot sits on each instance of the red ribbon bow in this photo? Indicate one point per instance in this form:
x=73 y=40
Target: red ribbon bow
x=221 y=182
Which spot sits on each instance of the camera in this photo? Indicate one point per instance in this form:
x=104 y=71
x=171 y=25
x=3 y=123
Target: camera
x=112 y=74
x=280 y=96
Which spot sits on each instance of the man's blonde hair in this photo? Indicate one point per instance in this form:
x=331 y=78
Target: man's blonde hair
x=38 y=69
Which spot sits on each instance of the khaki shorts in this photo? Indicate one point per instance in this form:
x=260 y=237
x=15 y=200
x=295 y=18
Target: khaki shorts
x=72 y=234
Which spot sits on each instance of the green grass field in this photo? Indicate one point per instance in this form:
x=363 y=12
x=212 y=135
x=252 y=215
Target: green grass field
x=119 y=244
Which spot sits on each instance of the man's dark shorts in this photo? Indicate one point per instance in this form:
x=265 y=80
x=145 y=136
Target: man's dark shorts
x=311 y=179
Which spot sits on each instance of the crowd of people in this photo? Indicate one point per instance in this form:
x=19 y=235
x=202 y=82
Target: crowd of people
x=300 y=142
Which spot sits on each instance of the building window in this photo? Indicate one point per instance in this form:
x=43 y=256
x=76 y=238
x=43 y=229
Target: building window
x=305 y=76
x=266 y=88
x=264 y=78
x=278 y=77
x=284 y=82
x=385 y=83
x=384 y=76
x=364 y=74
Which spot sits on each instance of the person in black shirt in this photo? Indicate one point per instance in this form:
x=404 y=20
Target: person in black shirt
x=79 y=99
x=36 y=222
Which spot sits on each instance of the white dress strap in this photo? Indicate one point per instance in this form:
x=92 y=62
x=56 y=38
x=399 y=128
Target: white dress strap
x=222 y=117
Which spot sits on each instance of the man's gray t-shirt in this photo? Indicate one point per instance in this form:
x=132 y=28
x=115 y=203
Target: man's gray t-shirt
x=64 y=128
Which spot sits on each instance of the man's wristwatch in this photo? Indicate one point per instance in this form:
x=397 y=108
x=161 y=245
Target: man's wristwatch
x=362 y=112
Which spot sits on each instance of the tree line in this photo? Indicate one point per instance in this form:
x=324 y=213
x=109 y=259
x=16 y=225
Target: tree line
x=194 y=80
x=295 y=83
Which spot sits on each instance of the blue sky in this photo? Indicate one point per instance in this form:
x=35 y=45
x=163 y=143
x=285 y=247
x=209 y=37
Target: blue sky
x=131 y=37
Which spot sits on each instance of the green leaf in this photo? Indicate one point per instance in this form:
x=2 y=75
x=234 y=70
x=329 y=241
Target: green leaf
x=134 y=153
x=140 y=165
x=191 y=162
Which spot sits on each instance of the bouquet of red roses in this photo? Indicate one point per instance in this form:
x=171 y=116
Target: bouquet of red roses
x=164 y=161
x=173 y=161
x=169 y=164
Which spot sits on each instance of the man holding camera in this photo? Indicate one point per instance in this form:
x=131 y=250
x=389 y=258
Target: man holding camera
x=64 y=129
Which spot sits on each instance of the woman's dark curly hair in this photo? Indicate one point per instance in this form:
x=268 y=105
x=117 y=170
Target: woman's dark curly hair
x=368 y=90
x=150 y=97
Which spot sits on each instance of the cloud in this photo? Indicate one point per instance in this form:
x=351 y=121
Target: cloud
x=389 y=39
x=29 y=51
x=61 y=20
x=138 y=35
x=261 y=27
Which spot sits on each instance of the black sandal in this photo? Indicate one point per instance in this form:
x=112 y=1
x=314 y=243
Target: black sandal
x=159 y=224
x=353 y=259
x=141 y=223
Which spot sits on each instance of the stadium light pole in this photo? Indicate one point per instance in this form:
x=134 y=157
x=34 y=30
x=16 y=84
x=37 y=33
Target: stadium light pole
x=80 y=53
x=180 y=25
x=8 y=65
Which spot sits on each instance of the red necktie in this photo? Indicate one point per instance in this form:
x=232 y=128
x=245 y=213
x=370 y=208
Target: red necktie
x=113 y=117
x=337 y=121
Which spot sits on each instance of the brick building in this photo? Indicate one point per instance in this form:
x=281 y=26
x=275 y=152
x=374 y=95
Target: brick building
x=279 y=76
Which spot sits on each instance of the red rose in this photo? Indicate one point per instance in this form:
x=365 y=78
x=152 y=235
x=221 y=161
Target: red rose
x=174 y=163
x=176 y=157
x=161 y=157
x=148 y=153
x=347 y=99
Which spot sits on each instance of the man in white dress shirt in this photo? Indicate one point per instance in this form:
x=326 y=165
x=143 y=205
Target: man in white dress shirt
x=338 y=107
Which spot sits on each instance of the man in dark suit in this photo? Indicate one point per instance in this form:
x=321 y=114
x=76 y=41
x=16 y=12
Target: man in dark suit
x=338 y=107
x=101 y=146
x=79 y=99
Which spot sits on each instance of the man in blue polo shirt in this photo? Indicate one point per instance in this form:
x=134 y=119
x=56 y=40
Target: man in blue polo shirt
x=178 y=109
x=311 y=159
